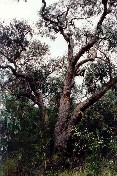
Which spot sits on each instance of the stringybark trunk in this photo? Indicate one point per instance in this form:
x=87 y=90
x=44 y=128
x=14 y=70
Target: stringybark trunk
x=64 y=110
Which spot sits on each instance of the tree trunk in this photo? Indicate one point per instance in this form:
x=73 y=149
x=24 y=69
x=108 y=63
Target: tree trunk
x=66 y=124
x=64 y=110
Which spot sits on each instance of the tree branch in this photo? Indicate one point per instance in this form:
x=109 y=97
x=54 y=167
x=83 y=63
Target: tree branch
x=94 y=98
x=43 y=14
x=55 y=23
x=94 y=40
x=27 y=95
x=15 y=73
x=84 y=61
x=79 y=72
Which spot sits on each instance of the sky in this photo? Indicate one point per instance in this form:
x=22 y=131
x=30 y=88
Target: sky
x=10 y=9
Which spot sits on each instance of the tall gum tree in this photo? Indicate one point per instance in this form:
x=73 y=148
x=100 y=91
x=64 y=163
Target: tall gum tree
x=84 y=48
x=63 y=23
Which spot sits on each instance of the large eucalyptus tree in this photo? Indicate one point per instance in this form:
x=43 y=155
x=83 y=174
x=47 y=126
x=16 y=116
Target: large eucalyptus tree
x=90 y=56
x=84 y=47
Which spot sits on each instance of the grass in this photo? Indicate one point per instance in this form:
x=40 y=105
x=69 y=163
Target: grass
x=107 y=169
x=104 y=172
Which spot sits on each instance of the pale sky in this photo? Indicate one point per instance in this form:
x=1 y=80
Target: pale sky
x=10 y=9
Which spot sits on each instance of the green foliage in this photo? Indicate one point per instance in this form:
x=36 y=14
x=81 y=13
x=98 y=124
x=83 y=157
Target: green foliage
x=26 y=137
x=105 y=171
x=13 y=39
x=110 y=33
x=97 y=74
x=95 y=136
x=94 y=139
x=24 y=132
x=9 y=166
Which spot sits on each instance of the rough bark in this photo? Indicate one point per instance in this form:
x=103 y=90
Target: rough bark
x=65 y=103
x=64 y=109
